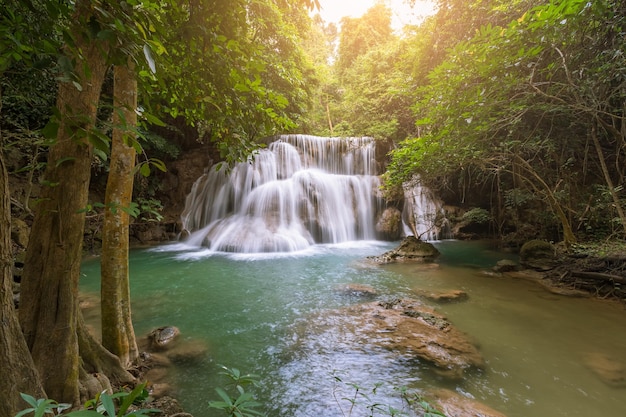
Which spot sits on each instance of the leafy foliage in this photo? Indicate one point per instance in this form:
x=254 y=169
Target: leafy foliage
x=102 y=404
x=240 y=403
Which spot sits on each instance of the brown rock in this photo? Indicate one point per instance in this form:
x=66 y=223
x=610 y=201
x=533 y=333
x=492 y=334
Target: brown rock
x=410 y=249
x=610 y=370
x=405 y=327
x=389 y=223
x=444 y=296
x=453 y=404
x=357 y=290
x=163 y=337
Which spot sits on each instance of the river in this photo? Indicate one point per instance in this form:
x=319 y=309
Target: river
x=257 y=313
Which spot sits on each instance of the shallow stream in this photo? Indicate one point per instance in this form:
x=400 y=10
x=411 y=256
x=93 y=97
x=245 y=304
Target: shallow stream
x=257 y=313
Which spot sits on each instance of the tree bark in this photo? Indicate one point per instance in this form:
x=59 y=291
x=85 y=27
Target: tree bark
x=49 y=297
x=18 y=370
x=118 y=335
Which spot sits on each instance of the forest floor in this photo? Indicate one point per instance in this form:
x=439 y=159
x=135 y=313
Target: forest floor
x=596 y=269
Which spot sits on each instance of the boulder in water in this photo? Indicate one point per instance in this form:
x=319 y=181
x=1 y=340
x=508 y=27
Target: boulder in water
x=162 y=338
x=538 y=254
x=410 y=249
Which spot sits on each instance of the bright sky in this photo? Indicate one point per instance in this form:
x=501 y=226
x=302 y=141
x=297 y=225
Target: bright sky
x=401 y=13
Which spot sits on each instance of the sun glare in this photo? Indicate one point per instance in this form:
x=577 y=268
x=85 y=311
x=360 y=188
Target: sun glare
x=402 y=13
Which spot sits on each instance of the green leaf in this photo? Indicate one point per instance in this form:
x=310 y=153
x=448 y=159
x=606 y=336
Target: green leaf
x=107 y=403
x=145 y=170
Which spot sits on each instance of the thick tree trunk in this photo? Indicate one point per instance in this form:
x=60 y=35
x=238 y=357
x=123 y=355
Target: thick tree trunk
x=118 y=335
x=49 y=303
x=18 y=370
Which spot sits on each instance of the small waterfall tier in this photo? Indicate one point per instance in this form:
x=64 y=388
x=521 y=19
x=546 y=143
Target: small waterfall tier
x=299 y=191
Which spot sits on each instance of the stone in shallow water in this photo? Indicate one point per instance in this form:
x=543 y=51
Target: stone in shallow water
x=357 y=290
x=610 y=370
x=163 y=337
x=443 y=296
x=404 y=327
x=453 y=404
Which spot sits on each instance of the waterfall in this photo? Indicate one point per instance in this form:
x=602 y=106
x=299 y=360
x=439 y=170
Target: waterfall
x=423 y=214
x=300 y=191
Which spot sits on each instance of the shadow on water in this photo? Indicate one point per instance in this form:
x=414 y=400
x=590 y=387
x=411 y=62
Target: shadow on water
x=262 y=314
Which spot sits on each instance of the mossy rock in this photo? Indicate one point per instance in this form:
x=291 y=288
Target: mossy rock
x=410 y=249
x=538 y=254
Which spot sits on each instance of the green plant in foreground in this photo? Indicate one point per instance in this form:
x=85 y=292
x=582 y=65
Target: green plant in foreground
x=243 y=403
x=102 y=404
x=414 y=403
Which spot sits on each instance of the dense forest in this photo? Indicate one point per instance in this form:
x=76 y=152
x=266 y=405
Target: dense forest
x=512 y=110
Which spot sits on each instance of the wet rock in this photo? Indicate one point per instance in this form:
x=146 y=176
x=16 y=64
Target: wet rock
x=389 y=224
x=453 y=404
x=357 y=290
x=506 y=265
x=168 y=407
x=159 y=390
x=407 y=327
x=538 y=254
x=610 y=370
x=410 y=249
x=444 y=296
x=188 y=352
x=162 y=338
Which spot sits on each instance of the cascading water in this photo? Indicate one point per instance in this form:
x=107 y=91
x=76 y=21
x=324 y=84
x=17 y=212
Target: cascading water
x=303 y=190
x=300 y=191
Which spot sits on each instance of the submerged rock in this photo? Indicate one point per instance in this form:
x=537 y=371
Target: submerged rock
x=410 y=249
x=401 y=326
x=444 y=296
x=610 y=370
x=357 y=290
x=453 y=404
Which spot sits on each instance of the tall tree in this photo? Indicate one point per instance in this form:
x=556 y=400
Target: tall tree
x=118 y=334
x=18 y=370
x=49 y=312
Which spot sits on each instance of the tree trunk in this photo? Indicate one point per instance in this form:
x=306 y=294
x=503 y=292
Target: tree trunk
x=607 y=178
x=18 y=370
x=568 y=234
x=118 y=335
x=49 y=303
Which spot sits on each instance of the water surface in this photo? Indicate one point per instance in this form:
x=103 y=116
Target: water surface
x=259 y=313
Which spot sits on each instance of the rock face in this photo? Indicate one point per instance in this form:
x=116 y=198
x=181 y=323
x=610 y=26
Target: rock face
x=410 y=249
x=389 y=224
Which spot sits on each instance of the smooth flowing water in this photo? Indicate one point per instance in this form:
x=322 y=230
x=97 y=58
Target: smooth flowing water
x=259 y=313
